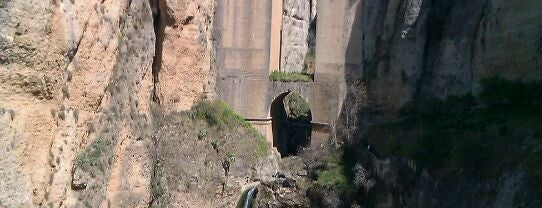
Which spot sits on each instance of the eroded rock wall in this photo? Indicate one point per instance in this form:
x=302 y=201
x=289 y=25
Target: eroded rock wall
x=186 y=56
x=74 y=73
x=76 y=86
x=412 y=50
x=297 y=33
x=422 y=48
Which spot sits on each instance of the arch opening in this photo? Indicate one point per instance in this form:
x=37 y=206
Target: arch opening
x=291 y=123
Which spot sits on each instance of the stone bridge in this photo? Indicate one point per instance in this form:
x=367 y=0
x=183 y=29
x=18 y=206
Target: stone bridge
x=248 y=34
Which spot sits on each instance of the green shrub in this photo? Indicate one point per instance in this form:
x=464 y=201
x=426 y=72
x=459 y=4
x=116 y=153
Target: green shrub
x=220 y=115
x=217 y=113
x=290 y=76
x=296 y=107
x=332 y=178
x=485 y=137
x=91 y=158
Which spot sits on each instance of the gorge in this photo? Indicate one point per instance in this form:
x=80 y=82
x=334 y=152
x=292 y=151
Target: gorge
x=313 y=103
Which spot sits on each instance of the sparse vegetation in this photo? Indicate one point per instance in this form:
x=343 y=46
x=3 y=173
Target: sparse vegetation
x=157 y=189
x=218 y=114
x=309 y=63
x=76 y=115
x=296 y=107
x=361 y=175
x=91 y=158
x=357 y=98
x=334 y=176
x=216 y=145
x=262 y=147
x=11 y=114
x=214 y=142
x=290 y=76
x=227 y=162
x=486 y=137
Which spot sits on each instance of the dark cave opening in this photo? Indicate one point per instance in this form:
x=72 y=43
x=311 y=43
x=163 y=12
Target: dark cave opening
x=291 y=129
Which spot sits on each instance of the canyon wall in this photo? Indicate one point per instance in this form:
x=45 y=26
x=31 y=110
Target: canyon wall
x=298 y=33
x=414 y=49
x=77 y=81
x=185 y=59
x=74 y=73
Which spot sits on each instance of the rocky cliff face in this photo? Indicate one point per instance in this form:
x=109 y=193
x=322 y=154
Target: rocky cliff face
x=421 y=48
x=76 y=73
x=413 y=50
x=77 y=79
x=185 y=55
x=298 y=30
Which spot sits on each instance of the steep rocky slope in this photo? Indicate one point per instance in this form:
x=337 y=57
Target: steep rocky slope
x=77 y=79
x=207 y=157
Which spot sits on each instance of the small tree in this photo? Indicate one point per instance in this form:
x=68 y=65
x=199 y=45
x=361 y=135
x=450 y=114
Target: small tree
x=356 y=99
x=230 y=159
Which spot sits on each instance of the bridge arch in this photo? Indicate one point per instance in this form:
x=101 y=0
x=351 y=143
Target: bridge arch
x=248 y=40
x=291 y=123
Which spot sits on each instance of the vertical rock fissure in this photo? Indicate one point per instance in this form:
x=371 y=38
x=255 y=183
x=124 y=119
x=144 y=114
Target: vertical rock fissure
x=476 y=35
x=160 y=20
x=154 y=174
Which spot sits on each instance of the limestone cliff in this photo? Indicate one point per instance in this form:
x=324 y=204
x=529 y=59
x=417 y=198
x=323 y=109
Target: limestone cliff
x=77 y=80
x=298 y=31
x=74 y=73
x=412 y=49
x=185 y=56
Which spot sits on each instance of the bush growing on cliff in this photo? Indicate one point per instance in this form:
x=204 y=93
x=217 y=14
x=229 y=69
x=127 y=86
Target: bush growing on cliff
x=290 y=76
x=334 y=175
x=217 y=113
x=466 y=134
x=220 y=115
x=91 y=158
x=296 y=107
x=206 y=142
